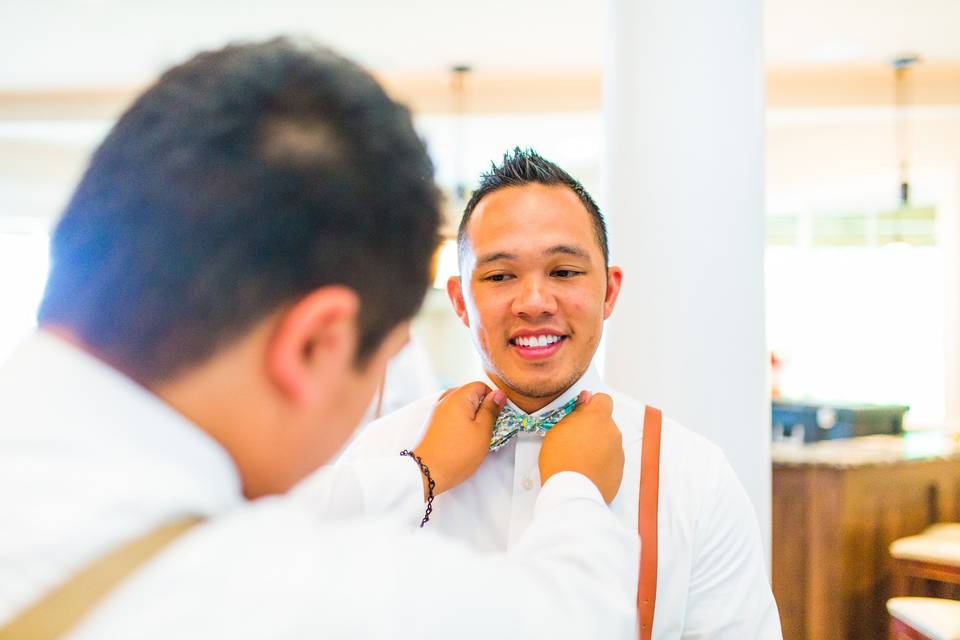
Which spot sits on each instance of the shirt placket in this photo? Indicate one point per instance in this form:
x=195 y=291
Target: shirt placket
x=526 y=484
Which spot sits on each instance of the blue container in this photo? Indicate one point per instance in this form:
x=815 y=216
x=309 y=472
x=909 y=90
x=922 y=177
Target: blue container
x=812 y=421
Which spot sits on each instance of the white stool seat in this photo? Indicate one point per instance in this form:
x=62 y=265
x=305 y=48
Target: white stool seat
x=943 y=530
x=927 y=548
x=935 y=618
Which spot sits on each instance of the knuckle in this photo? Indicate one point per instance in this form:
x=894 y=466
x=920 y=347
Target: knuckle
x=480 y=387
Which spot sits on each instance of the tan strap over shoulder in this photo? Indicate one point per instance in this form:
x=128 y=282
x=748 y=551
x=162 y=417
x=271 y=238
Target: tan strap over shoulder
x=64 y=607
x=647 y=521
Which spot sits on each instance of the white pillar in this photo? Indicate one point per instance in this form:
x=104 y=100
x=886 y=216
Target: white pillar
x=684 y=117
x=948 y=218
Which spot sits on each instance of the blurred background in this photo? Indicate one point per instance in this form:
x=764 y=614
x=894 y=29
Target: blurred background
x=860 y=184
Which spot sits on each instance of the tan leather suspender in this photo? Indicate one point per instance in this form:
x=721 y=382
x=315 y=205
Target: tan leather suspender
x=64 y=607
x=647 y=520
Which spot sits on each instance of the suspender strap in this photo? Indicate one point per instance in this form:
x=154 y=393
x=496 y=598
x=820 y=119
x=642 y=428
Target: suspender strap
x=64 y=607
x=647 y=525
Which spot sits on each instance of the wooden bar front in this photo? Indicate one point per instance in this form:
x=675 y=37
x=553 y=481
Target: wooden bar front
x=837 y=506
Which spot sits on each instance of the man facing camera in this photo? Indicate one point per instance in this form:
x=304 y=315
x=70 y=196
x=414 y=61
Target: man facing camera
x=534 y=290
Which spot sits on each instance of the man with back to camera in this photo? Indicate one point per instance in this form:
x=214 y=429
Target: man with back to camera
x=212 y=329
x=535 y=286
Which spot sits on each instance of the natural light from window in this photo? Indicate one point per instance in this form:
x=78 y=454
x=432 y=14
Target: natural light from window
x=860 y=325
x=24 y=263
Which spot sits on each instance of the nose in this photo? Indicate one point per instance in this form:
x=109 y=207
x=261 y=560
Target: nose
x=534 y=299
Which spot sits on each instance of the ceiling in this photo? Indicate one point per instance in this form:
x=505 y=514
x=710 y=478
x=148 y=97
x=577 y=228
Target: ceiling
x=84 y=43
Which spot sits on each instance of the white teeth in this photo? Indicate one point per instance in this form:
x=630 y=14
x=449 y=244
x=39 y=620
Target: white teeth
x=536 y=341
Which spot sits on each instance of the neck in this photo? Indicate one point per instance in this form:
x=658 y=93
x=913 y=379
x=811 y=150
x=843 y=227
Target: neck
x=530 y=405
x=527 y=404
x=215 y=396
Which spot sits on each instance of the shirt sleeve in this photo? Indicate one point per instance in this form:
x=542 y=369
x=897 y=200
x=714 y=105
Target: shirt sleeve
x=389 y=487
x=565 y=578
x=729 y=595
x=370 y=478
x=272 y=569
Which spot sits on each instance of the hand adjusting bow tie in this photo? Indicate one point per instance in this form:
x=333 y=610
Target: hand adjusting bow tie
x=510 y=422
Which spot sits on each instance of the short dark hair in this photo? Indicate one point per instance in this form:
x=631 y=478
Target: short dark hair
x=242 y=180
x=526 y=166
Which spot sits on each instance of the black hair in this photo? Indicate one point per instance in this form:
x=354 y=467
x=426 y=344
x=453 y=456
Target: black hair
x=524 y=167
x=241 y=181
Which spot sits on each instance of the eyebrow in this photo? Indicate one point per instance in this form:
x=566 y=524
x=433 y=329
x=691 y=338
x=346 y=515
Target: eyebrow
x=564 y=249
x=567 y=249
x=493 y=257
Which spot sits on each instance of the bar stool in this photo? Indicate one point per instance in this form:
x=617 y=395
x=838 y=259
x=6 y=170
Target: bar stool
x=932 y=555
x=943 y=530
x=924 y=619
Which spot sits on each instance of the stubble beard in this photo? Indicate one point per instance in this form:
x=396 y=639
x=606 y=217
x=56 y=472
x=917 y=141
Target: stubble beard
x=542 y=390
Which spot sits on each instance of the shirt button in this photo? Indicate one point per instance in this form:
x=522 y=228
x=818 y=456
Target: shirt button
x=528 y=483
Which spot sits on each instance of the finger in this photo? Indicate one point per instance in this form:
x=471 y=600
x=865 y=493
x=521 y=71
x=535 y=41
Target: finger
x=583 y=399
x=473 y=394
x=601 y=402
x=446 y=393
x=490 y=409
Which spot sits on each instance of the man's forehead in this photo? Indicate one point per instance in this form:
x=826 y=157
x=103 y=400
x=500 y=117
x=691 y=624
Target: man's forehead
x=529 y=217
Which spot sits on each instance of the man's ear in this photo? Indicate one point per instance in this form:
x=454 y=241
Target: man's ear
x=614 y=280
x=455 y=293
x=314 y=340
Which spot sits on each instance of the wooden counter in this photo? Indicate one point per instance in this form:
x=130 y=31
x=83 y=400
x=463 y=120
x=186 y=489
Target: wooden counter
x=837 y=506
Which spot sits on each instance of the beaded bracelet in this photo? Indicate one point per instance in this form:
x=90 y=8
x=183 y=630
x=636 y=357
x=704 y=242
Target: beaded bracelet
x=430 y=484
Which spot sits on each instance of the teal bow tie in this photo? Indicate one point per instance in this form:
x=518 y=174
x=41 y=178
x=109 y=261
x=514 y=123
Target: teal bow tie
x=510 y=422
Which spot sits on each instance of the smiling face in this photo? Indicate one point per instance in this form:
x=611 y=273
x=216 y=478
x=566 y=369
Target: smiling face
x=533 y=290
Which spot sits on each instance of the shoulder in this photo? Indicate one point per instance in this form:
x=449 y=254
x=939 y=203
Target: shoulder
x=222 y=580
x=693 y=465
x=401 y=429
x=693 y=470
x=675 y=437
x=710 y=530
x=701 y=482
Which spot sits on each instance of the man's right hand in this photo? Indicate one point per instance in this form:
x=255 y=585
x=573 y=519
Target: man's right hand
x=458 y=436
x=586 y=441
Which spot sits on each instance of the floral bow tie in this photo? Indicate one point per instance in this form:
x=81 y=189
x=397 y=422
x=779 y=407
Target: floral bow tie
x=510 y=422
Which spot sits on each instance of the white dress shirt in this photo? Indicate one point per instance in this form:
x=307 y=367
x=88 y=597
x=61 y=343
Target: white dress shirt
x=89 y=460
x=711 y=581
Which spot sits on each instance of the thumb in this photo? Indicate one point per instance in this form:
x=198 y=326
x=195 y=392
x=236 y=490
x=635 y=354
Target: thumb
x=471 y=395
x=446 y=393
x=490 y=409
x=601 y=403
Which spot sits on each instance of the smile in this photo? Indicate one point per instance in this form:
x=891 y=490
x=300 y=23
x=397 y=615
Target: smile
x=536 y=342
x=537 y=347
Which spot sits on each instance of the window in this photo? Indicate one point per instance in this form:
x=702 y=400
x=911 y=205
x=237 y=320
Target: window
x=24 y=263
x=856 y=298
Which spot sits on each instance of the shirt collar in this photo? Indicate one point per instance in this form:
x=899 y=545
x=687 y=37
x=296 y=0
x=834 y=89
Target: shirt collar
x=590 y=380
x=57 y=395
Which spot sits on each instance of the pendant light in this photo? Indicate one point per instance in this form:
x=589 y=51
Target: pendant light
x=908 y=225
x=445 y=258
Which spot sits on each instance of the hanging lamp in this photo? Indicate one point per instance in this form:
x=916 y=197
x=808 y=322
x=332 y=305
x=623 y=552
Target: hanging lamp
x=907 y=225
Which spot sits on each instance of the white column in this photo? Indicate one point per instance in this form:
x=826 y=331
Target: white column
x=948 y=218
x=684 y=117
